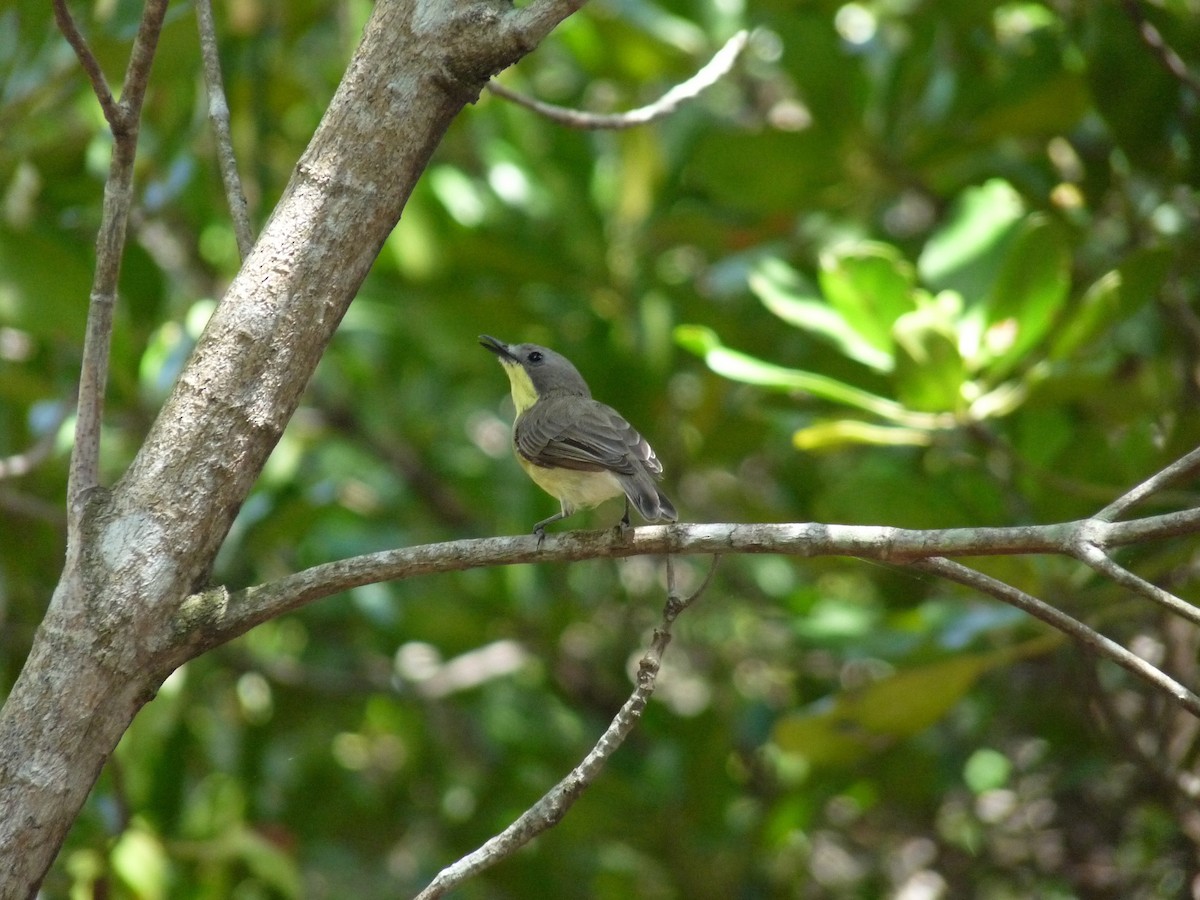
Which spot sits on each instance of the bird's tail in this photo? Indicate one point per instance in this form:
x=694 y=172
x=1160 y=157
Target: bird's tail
x=651 y=503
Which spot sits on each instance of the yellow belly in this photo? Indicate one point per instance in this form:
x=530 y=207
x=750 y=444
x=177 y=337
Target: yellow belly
x=572 y=488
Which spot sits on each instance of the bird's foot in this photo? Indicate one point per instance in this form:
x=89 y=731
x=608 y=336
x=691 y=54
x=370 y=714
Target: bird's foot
x=540 y=531
x=623 y=527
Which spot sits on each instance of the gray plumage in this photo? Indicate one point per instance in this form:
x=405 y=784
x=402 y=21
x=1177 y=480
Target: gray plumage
x=559 y=426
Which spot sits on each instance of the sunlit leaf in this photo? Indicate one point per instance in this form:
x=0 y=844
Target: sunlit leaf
x=965 y=252
x=835 y=433
x=140 y=860
x=750 y=370
x=929 y=370
x=784 y=293
x=871 y=285
x=1027 y=296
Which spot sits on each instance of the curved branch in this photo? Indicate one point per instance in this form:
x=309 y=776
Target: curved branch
x=1071 y=627
x=716 y=69
x=555 y=803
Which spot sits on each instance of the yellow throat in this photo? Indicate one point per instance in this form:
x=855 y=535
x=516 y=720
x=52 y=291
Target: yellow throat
x=523 y=392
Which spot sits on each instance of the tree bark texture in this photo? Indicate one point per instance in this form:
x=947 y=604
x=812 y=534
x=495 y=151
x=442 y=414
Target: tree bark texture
x=110 y=635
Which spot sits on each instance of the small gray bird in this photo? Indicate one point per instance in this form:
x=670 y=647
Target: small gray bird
x=576 y=449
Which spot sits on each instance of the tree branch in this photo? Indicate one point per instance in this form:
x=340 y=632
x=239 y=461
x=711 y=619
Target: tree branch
x=555 y=803
x=1096 y=559
x=716 y=68
x=1159 y=48
x=1071 y=627
x=124 y=120
x=211 y=618
x=531 y=23
x=218 y=114
x=91 y=65
x=134 y=552
x=1186 y=465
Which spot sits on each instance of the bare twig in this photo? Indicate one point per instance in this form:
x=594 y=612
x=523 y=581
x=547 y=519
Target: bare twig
x=123 y=118
x=91 y=66
x=710 y=74
x=1097 y=559
x=1181 y=468
x=1073 y=628
x=1162 y=51
x=218 y=113
x=554 y=804
x=26 y=461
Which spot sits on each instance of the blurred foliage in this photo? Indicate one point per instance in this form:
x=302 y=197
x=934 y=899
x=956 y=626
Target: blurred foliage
x=922 y=264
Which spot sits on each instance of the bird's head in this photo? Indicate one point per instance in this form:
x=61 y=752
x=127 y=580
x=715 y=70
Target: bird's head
x=535 y=372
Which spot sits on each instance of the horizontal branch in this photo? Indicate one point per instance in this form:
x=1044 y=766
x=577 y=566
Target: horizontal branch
x=213 y=617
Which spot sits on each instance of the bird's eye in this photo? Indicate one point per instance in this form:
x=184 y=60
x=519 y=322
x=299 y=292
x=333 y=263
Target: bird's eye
x=535 y=357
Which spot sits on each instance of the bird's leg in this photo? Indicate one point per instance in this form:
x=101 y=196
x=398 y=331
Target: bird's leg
x=540 y=528
x=623 y=525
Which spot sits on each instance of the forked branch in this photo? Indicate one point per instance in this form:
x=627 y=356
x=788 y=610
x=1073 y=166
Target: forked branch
x=123 y=118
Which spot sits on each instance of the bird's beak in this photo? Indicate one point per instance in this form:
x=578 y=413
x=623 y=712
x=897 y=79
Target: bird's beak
x=498 y=347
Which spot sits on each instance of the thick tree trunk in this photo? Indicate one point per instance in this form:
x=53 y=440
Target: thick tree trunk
x=109 y=637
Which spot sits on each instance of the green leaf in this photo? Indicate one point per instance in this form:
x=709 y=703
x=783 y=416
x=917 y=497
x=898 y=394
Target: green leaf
x=965 y=253
x=1028 y=294
x=833 y=434
x=871 y=285
x=141 y=862
x=1111 y=298
x=781 y=290
x=750 y=370
x=44 y=284
x=863 y=722
x=929 y=369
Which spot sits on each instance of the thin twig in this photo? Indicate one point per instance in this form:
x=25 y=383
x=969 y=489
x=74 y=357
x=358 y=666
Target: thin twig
x=124 y=120
x=1162 y=51
x=1181 y=468
x=554 y=804
x=1095 y=558
x=91 y=65
x=1071 y=627
x=218 y=113
x=27 y=460
x=141 y=58
x=710 y=74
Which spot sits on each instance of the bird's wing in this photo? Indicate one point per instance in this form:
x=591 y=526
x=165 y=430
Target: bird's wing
x=584 y=434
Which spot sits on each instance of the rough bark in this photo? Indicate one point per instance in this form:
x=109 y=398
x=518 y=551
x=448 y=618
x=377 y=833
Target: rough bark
x=110 y=636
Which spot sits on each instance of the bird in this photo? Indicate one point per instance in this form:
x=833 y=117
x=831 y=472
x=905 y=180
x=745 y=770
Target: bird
x=575 y=448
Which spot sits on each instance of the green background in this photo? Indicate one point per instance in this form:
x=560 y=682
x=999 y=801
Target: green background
x=925 y=264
